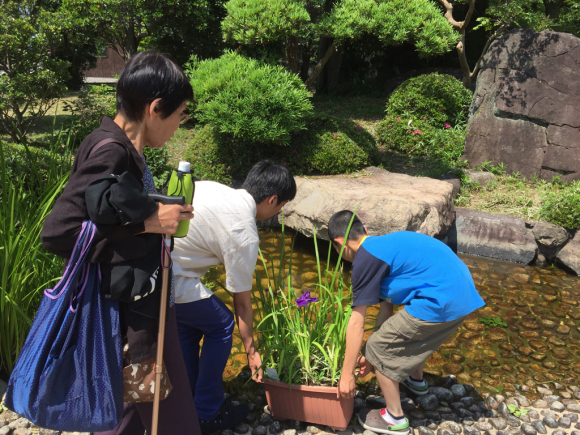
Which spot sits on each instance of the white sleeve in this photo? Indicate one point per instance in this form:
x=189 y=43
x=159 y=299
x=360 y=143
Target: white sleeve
x=240 y=264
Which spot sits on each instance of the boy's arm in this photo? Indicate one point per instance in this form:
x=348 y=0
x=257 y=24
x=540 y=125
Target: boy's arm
x=245 y=319
x=386 y=311
x=354 y=339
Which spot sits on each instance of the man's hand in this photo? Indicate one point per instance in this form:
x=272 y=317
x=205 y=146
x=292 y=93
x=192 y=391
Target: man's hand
x=365 y=367
x=255 y=363
x=167 y=217
x=346 y=386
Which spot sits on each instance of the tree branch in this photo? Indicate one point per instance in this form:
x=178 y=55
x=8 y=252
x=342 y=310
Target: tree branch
x=457 y=25
x=487 y=45
x=320 y=65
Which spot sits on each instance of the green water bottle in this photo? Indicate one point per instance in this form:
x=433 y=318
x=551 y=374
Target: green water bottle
x=181 y=184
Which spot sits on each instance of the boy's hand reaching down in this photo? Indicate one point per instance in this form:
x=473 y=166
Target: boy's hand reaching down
x=346 y=386
x=365 y=367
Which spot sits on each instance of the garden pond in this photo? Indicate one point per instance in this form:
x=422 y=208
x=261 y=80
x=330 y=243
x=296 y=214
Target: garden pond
x=528 y=332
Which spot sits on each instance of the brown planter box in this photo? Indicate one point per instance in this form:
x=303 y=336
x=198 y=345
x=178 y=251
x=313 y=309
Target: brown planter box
x=317 y=405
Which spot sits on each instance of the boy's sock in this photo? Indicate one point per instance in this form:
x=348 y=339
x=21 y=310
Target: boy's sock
x=416 y=382
x=391 y=419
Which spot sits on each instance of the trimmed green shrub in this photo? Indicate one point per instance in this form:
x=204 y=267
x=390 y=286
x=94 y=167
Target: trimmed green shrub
x=418 y=137
x=92 y=105
x=562 y=206
x=249 y=101
x=329 y=146
x=158 y=162
x=435 y=98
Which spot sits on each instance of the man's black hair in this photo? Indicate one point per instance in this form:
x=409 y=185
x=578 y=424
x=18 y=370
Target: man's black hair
x=339 y=222
x=267 y=178
x=147 y=76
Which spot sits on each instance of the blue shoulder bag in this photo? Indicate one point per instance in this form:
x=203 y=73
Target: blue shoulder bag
x=68 y=376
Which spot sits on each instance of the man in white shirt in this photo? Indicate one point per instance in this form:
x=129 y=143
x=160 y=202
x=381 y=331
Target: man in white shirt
x=223 y=232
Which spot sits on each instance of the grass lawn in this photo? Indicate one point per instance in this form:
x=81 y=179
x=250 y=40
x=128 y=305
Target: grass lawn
x=508 y=194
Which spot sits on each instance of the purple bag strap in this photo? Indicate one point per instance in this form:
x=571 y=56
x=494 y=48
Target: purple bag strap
x=83 y=244
x=101 y=144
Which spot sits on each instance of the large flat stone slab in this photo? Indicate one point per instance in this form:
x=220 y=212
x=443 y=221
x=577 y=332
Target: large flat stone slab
x=387 y=202
x=492 y=235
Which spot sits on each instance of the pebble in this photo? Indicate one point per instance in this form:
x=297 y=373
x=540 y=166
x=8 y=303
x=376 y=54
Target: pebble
x=514 y=430
x=573 y=407
x=376 y=402
x=564 y=422
x=359 y=404
x=539 y=426
x=573 y=417
x=503 y=409
x=432 y=425
x=577 y=425
x=483 y=425
x=491 y=402
x=428 y=402
x=423 y=431
x=251 y=418
x=499 y=398
x=551 y=399
x=513 y=421
x=525 y=418
x=227 y=432
x=266 y=420
x=528 y=429
x=522 y=401
x=470 y=430
x=5 y=430
x=550 y=422
x=458 y=391
x=313 y=429
x=534 y=414
x=467 y=401
x=408 y=405
x=544 y=391
x=575 y=432
x=444 y=432
x=452 y=426
x=242 y=428
x=289 y=432
x=22 y=431
x=443 y=394
x=468 y=421
x=540 y=403
x=498 y=423
x=557 y=406
x=368 y=432
x=259 y=430
x=276 y=427
x=559 y=432
x=450 y=380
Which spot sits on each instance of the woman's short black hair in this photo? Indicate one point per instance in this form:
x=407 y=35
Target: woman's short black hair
x=339 y=222
x=147 y=76
x=267 y=178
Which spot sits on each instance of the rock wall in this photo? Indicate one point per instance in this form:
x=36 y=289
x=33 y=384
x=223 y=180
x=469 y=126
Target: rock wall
x=526 y=107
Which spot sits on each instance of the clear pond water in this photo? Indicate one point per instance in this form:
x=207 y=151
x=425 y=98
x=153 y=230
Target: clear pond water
x=540 y=307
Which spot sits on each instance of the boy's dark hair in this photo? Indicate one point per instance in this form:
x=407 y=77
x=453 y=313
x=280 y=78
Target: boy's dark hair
x=147 y=76
x=339 y=222
x=267 y=178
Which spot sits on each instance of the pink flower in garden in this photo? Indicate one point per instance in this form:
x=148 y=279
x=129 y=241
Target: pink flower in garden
x=389 y=125
x=399 y=118
x=409 y=131
x=416 y=132
x=284 y=163
x=424 y=117
x=447 y=125
x=358 y=127
x=295 y=133
x=343 y=122
x=295 y=150
x=335 y=135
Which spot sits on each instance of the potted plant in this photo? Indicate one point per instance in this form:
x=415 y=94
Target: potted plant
x=302 y=339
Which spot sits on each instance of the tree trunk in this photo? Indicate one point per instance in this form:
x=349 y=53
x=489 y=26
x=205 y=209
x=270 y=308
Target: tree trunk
x=333 y=68
x=318 y=69
x=305 y=67
x=292 y=54
x=131 y=44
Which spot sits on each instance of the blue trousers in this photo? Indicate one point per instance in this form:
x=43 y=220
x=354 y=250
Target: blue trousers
x=211 y=320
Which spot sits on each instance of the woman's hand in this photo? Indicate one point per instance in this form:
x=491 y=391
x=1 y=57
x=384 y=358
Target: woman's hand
x=167 y=217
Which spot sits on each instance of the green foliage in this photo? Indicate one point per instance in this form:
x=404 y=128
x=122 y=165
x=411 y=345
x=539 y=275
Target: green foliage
x=492 y=322
x=92 y=105
x=503 y=15
x=249 y=101
x=31 y=79
x=490 y=167
x=516 y=411
x=328 y=146
x=561 y=205
x=437 y=98
x=26 y=269
x=305 y=344
x=158 y=162
x=258 y=21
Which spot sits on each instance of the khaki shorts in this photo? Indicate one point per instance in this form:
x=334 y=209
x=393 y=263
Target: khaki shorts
x=404 y=342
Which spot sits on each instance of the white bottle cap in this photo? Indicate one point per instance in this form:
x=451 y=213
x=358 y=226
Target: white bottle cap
x=184 y=167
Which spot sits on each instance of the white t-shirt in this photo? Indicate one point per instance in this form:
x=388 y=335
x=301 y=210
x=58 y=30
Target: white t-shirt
x=222 y=231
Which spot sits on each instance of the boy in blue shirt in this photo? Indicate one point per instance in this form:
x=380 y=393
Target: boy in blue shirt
x=401 y=268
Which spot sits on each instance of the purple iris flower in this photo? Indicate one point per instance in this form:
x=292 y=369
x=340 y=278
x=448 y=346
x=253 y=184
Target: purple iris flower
x=305 y=299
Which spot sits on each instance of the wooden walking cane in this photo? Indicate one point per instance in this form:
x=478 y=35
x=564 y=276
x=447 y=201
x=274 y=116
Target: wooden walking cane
x=165 y=275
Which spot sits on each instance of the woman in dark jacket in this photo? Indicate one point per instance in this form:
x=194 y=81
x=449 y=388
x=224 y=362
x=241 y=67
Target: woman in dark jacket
x=151 y=96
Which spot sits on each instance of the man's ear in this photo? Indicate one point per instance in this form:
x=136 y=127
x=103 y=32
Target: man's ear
x=339 y=240
x=273 y=200
x=366 y=231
